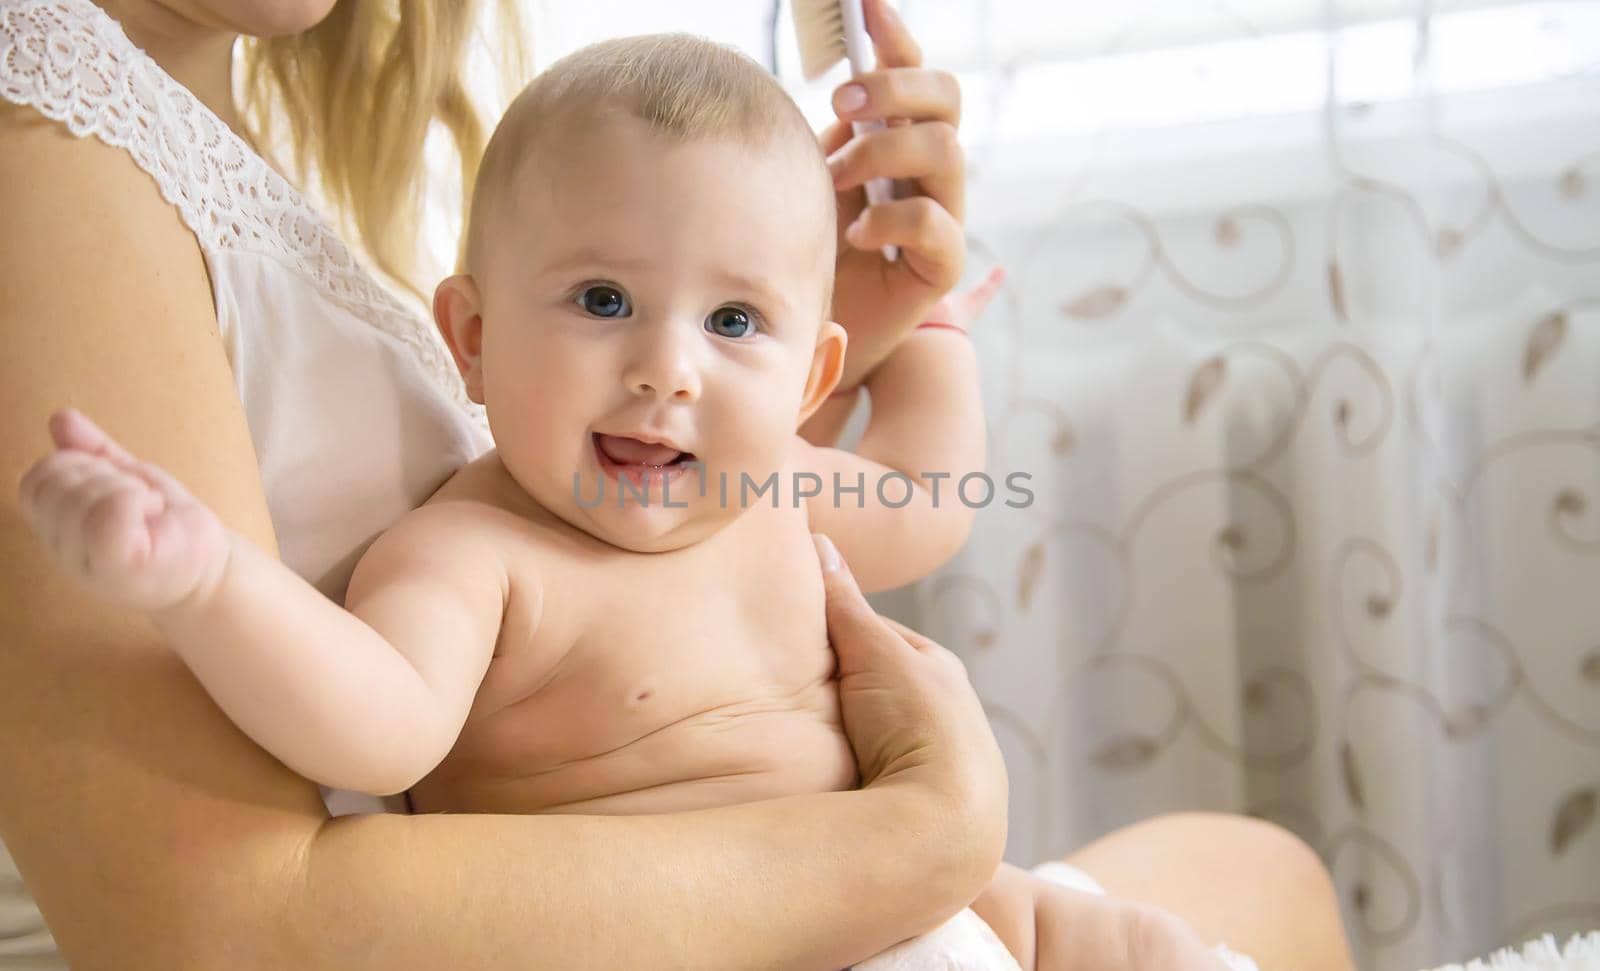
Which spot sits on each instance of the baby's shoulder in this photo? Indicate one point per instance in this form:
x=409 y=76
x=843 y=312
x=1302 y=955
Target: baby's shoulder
x=526 y=548
x=451 y=541
x=450 y=523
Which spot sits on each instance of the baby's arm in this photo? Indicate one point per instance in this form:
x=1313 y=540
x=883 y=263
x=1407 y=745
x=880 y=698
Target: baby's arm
x=927 y=425
x=369 y=700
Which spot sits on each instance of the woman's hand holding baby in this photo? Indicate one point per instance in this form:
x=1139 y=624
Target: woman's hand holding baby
x=123 y=529
x=914 y=721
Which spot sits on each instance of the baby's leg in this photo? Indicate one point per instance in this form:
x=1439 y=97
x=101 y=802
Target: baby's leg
x=1048 y=927
x=1007 y=906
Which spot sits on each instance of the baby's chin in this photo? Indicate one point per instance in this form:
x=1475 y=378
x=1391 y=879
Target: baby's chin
x=640 y=528
x=649 y=516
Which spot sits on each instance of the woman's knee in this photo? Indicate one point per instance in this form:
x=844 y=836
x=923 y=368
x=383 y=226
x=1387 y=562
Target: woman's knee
x=1269 y=850
x=1264 y=849
x=1236 y=879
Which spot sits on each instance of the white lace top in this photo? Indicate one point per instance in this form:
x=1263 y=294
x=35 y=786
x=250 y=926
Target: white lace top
x=354 y=408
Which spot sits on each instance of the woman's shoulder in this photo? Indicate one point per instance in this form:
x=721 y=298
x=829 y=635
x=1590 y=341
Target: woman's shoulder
x=108 y=307
x=70 y=62
x=80 y=213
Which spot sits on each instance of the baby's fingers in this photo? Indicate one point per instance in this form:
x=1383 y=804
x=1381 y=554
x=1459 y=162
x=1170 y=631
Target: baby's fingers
x=118 y=531
x=47 y=485
x=72 y=429
x=110 y=535
x=165 y=487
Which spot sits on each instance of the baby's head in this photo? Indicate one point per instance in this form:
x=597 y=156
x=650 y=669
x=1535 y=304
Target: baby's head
x=649 y=268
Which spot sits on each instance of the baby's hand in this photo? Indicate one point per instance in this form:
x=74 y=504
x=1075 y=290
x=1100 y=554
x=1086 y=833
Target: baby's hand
x=963 y=307
x=123 y=529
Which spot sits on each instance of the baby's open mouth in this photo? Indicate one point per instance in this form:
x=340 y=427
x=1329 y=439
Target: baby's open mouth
x=631 y=451
x=645 y=464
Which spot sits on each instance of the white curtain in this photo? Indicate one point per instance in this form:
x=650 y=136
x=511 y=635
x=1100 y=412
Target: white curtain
x=1301 y=347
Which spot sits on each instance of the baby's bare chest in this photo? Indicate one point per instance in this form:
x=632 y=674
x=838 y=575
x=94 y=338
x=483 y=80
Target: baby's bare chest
x=728 y=632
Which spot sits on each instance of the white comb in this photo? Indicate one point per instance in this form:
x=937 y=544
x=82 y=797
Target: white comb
x=830 y=31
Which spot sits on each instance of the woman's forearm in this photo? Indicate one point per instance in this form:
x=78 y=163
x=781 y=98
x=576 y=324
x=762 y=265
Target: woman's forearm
x=806 y=882
x=157 y=839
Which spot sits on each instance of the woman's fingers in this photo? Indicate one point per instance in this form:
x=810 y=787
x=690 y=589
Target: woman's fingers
x=923 y=643
x=920 y=641
x=859 y=629
x=891 y=40
x=854 y=628
x=930 y=239
x=835 y=136
x=919 y=147
x=912 y=716
x=929 y=152
x=919 y=94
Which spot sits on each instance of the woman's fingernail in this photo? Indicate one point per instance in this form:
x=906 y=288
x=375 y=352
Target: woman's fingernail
x=826 y=552
x=851 y=97
x=854 y=231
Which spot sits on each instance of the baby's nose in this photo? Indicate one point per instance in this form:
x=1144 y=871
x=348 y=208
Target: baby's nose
x=674 y=387
x=664 y=370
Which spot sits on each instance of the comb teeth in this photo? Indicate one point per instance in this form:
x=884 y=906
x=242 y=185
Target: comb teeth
x=819 y=26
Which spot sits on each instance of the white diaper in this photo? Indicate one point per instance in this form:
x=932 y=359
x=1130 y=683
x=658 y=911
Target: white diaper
x=966 y=943
x=962 y=943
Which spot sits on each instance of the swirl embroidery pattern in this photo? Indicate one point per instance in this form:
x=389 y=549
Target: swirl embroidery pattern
x=1316 y=458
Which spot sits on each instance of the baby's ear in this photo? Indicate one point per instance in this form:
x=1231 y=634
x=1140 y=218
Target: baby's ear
x=458 y=311
x=827 y=366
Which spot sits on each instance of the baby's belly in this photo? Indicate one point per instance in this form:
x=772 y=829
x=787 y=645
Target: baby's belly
x=739 y=751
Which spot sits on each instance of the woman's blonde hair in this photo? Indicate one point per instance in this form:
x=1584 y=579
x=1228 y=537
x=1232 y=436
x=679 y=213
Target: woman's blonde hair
x=359 y=93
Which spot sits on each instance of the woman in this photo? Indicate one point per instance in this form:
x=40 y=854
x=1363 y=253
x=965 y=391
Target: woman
x=158 y=274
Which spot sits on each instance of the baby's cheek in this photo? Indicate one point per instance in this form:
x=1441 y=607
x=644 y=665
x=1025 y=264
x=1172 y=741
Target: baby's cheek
x=752 y=440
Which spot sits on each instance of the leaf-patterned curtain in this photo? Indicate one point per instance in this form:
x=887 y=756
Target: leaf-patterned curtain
x=1300 y=347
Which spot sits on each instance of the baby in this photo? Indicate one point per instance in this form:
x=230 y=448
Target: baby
x=618 y=609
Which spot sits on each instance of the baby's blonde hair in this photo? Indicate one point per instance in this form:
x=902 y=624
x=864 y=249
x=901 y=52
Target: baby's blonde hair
x=682 y=87
x=359 y=93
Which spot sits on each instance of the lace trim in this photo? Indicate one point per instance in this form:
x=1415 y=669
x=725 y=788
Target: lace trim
x=71 y=62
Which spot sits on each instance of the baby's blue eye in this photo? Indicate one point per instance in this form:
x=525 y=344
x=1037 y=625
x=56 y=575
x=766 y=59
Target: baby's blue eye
x=730 y=322
x=604 y=301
